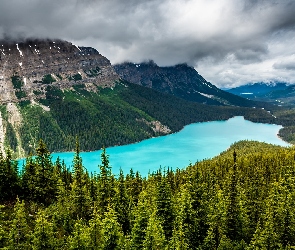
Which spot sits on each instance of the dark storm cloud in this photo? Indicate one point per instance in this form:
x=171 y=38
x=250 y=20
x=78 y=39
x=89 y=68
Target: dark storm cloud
x=288 y=64
x=222 y=37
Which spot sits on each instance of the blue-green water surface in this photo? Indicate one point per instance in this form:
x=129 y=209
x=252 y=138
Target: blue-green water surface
x=193 y=143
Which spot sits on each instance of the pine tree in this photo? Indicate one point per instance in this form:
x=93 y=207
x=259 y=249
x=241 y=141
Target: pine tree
x=155 y=236
x=19 y=234
x=46 y=182
x=122 y=204
x=43 y=235
x=80 y=240
x=112 y=235
x=80 y=193
x=9 y=180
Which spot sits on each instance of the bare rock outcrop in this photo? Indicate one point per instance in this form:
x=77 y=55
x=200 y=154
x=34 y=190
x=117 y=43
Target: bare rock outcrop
x=27 y=68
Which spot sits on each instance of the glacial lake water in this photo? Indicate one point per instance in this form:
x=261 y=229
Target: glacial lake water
x=193 y=143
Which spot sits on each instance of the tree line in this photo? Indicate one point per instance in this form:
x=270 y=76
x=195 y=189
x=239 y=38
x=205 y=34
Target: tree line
x=242 y=199
x=112 y=117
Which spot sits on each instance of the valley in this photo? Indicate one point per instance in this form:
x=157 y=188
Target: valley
x=77 y=101
x=195 y=142
x=54 y=90
x=147 y=125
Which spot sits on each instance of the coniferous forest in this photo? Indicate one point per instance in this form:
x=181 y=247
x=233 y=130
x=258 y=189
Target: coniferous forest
x=242 y=199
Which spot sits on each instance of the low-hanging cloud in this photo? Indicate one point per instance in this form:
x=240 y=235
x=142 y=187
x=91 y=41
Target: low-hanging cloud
x=229 y=42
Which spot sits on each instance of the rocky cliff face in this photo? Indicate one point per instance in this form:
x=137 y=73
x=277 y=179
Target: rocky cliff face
x=27 y=68
x=180 y=80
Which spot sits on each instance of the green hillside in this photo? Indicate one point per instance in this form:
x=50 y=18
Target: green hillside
x=182 y=81
x=110 y=116
x=242 y=199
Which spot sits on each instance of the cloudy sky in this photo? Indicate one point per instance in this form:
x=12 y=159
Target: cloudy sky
x=229 y=42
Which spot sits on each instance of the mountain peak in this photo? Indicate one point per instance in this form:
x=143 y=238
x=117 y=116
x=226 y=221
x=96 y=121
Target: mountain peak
x=27 y=67
x=180 y=80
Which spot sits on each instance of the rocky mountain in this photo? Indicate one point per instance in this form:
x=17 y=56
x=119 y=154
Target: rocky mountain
x=180 y=80
x=54 y=90
x=28 y=67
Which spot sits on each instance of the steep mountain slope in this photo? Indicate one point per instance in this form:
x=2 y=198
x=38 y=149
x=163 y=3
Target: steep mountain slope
x=27 y=68
x=182 y=81
x=57 y=91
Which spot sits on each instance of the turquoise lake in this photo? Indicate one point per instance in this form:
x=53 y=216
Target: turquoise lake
x=193 y=143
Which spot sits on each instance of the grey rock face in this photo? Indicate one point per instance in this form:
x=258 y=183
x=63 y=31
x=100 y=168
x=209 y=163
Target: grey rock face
x=35 y=64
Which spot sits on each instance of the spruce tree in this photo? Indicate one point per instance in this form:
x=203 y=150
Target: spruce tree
x=9 y=180
x=185 y=232
x=105 y=183
x=164 y=206
x=80 y=193
x=233 y=215
x=95 y=232
x=3 y=231
x=122 y=204
x=63 y=212
x=141 y=216
x=44 y=237
x=29 y=180
x=112 y=235
x=46 y=181
x=155 y=236
x=20 y=231
x=80 y=239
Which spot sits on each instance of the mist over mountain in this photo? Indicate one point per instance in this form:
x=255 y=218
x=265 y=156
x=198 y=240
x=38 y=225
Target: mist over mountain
x=230 y=42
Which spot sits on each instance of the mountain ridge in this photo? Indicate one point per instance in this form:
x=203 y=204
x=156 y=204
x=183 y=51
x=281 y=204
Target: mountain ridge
x=257 y=89
x=180 y=80
x=30 y=63
x=54 y=90
x=277 y=93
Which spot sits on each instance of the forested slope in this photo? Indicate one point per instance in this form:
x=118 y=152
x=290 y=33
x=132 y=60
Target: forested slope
x=182 y=81
x=54 y=90
x=120 y=115
x=242 y=199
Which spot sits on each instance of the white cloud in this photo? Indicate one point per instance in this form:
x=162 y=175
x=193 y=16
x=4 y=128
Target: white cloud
x=230 y=42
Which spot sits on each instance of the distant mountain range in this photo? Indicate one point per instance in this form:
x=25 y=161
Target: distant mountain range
x=257 y=89
x=276 y=93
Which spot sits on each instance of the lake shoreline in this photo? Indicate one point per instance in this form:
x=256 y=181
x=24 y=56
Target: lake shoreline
x=134 y=143
x=195 y=142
